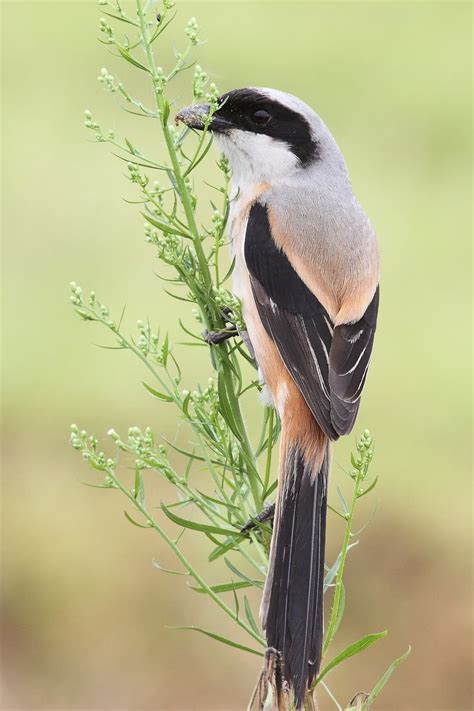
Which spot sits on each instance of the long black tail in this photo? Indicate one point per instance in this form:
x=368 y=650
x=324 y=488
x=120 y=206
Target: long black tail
x=292 y=606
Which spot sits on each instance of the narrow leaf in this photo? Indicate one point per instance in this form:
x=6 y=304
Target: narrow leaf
x=156 y=393
x=249 y=615
x=240 y=575
x=369 y=488
x=220 y=638
x=224 y=405
x=225 y=587
x=351 y=651
x=331 y=574
x=204 y=527
x=385 y=677
x=340 y=610
x=343 y=501
x=167 y=570
x=228 y=545
x=132 y=60
x=135 y=523
x=164 y=226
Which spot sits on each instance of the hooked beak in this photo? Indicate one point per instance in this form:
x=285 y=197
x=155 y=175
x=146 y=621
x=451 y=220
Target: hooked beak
x=195 y=116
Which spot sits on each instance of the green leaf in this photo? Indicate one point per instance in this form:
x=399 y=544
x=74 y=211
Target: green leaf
x=228 y=545
x=128 y=57
x=218 y=501
x=198 y=159
x=98 y=486
x=156 y=393
x=139 y=487
x=226 y=587
x=331 y=574
x=249 y=616
x=204 y=527
x=345 y=508
x=242 y=576
x=372 y=486
x=270 y=489
x=220 y=638
x=167 y=570
x=340 y=610
x=166 y=350
x=166 y=111
x=229 y=271
x=225 y=406
x=118 y=17
x=135 y=523
x=164 y=226
x=351 y=651
x=385 y=677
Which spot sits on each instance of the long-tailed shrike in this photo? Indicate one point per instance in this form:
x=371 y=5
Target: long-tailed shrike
x=307 y=271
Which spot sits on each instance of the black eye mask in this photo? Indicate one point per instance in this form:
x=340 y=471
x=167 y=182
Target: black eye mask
x=249 y=110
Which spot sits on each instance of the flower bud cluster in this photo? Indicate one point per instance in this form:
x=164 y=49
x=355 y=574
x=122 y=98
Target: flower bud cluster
x=159 y=80
x=88 y=447
x=206 y=402
x=148 y=457
x=76 y=294
x=192 y=31
x=107 y=31
x=364 y=456
x=89 y=121
x=217 y=231
x=224 y=166
x=141 y=442
x=136 y=176
x=200 y=80
x=147 y=341
x=212 y=96
x=93 y=310
x=190 y=188
x=169 y=246
x=157 y=192
x=228 y=301
x=108 y=80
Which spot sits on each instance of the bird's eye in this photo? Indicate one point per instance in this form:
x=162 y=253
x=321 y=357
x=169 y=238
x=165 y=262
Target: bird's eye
x=261 y=117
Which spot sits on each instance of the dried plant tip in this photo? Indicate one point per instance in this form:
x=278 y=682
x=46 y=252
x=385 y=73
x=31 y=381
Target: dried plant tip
x=359 y=702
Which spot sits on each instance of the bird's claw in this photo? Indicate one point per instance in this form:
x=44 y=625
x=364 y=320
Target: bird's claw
x=267 y=514
x=213 y=338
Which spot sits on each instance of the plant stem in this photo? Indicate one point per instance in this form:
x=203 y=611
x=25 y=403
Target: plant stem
x=180 y=184
x=181 y=557
x=340 y=570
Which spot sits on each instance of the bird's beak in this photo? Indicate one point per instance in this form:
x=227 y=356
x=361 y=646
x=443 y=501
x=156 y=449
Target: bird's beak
x=193 y=116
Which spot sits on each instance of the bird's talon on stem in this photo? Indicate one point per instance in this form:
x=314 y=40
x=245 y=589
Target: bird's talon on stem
x=215 y=337
x=266 y=515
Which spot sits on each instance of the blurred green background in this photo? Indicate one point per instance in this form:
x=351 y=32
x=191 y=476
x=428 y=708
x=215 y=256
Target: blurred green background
x=83 y=608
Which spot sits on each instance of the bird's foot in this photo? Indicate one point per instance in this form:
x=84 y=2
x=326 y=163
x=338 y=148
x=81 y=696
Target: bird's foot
x=267 y=514
x=213 y=338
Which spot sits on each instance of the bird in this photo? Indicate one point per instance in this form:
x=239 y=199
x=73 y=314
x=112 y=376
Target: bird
x=307 y=272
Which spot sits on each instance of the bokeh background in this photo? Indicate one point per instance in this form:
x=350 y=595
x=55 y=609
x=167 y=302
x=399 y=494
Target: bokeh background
x=84 y=610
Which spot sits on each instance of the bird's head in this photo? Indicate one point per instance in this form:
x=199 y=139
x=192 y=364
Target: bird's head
x=266 y=134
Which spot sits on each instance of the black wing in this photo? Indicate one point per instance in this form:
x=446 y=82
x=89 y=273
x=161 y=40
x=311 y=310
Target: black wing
x=328 y=364
x=349 y=360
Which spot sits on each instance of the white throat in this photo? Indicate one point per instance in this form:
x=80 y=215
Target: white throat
x=256 y=158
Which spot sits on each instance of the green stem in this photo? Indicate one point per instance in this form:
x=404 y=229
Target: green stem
x=182 y=558
x=180 y=184
x=244 y=439
x=340 y=570
x=268 y=463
